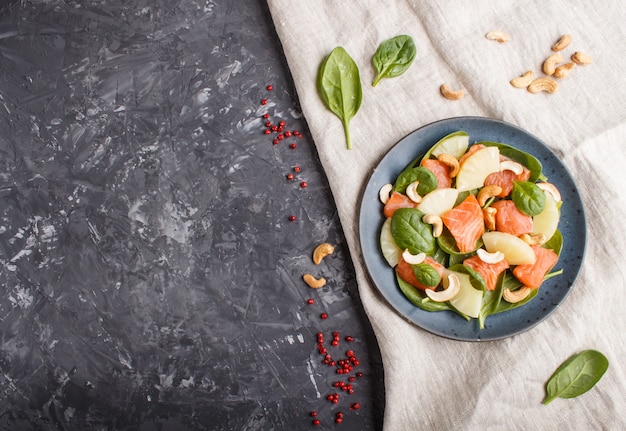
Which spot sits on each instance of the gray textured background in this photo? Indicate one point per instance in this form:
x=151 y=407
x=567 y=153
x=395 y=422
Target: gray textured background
x=150 y=277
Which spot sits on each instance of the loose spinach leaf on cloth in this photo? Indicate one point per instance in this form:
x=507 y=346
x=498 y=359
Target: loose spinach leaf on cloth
x=576 y=375
x=339 y=86
x=393 y=57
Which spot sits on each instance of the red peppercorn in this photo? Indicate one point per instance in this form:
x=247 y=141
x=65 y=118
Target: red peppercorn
x=264 y=102
x=350 y=391
x=349 y=339
x=292 y=218
x=351 y=379
x=288 y=133
x=350 y=353
x=297 y=169
x=266 y=116
x=338 y=420
x=316 y=422
x=359 y=374
x=356 y=363
x=334 y=343
x=274 y=128
x=313 y=414
x=339 y=370
x=303 y=184
x=330 y=397
x=267 y=131
x=324 y=316
x=355 y=406
x=292 y=146
x=269 y=88
x=281 y=123
x=280 y=137
x=310 y=301
x=268 y=124
x=339 y=415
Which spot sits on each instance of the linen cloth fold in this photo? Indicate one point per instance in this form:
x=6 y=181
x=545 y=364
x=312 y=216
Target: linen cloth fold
x=436 y=383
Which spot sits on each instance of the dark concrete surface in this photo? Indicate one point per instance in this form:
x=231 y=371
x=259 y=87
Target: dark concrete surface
x=150 y=276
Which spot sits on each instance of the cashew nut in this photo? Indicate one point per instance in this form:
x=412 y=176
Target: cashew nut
x=385 y=192
x=516 y=295
x=550 y=189
x=549 y=64
x=451 y=162
x=489 y=215
x=436 y=222
x=487 y=193
x=411 y=192
x=563 y=70
x=533 y=239
x=498 y=36
x=450 y=94
x=580 y=58
x=543 y=84
x=487 y=257
x=314 y=282
x=321 y=251
x=413 y=259
x=510 y=165
x=454 y=286
x=523 y=80
x=562 y=43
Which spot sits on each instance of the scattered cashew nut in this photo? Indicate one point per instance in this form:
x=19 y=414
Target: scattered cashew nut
x=450 y=94
x=321 y=251
x=510 y=165
x=549 y=64
x=516 y=295
x=550 y=189
x=487 y=257
x=314 y=282
x=454 y=286
x=562 y=43
x=451 y=162
x=581 y=59
x=543 y=84
x=533 y=239
x=563 y=70
x=436 y=222
x=488 y=192
x=385 y=192
x=411 y=192
x=413 y=259
x=498 y=36
x=523 y=80
x=489 y=215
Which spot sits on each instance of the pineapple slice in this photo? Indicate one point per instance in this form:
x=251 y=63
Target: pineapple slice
x=391 y=252
x=477 y=167
x=515 y=251
x=438 y=201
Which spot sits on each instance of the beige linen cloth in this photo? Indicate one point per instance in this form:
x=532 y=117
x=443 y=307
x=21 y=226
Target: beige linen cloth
x=436 y=383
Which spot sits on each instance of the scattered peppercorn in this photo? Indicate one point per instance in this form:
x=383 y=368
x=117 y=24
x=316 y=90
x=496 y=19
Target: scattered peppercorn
x=269 y=88
x=292 y=218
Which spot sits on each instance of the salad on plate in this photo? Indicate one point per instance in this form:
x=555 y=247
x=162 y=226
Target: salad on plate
x=471 y=229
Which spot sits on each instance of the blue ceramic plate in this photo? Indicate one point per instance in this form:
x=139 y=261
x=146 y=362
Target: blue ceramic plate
x=446 y=323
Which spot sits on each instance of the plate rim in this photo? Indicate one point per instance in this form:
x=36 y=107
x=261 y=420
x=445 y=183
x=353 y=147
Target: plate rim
x=392 y=300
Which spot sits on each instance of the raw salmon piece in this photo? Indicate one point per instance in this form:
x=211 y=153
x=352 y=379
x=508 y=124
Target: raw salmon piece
x=471 y=150
x=440 y=170
x=396 y=201
x=505 y=179
x=466 y=224
x=532 y=275
x=511 y=220
x=405 y=272
x=488 y=271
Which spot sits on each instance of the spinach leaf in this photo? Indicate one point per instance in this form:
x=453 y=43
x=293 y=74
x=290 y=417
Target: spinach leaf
x=427 y=180
x=410 y=232
x=426 y=274
x=510 y=282
x=576 y=375
x=420 y=300
x=528 y=197
x=339 y=86
x=555 y=243
x=528 y=160
x=491 y=301
x=393 y=57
